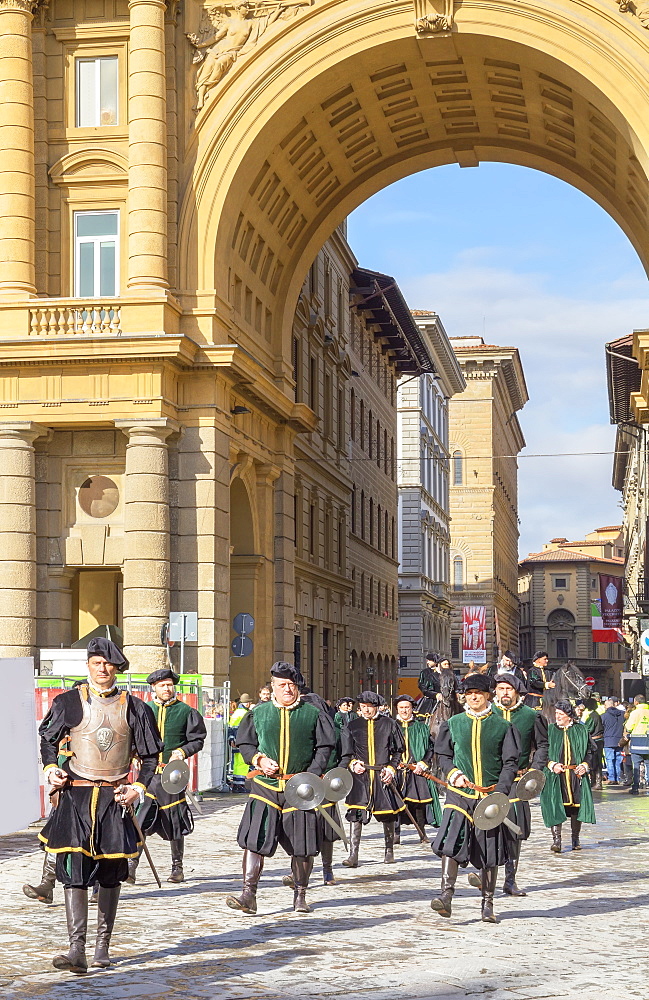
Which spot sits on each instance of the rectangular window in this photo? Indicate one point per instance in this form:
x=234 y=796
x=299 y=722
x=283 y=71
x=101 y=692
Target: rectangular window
x=455 y=649
x=562 y=649
x=96 y=92
x=559 y=583
x=96 y=254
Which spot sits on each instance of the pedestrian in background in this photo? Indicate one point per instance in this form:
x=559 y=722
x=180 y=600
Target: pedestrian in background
x=612 y=730
x=637 y=730
x=239 y=768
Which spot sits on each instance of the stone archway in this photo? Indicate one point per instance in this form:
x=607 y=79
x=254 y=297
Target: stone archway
x=342 y=99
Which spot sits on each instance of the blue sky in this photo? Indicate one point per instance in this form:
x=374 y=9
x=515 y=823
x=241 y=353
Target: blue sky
x=522 y=259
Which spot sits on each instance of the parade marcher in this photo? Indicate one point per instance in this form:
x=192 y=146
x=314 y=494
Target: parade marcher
x=568 y=756
x=419 y=794
x=477 y=748
x=90 y=831
x=344 y=713
x=183 y=733
x=539 y=680
x=265 y=694
x=428 y=684
x=509 y=702
x=239 y=768
x=636 y=729
x=507 y=664
x=592 y=719
x=282 y=737
x=372 y=747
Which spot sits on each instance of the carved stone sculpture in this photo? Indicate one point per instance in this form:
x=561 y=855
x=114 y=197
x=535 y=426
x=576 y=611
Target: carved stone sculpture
x=640 y=9
x=433 y=16
x=228 y=31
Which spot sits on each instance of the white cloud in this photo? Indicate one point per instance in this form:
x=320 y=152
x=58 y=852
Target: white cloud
x=561 y=339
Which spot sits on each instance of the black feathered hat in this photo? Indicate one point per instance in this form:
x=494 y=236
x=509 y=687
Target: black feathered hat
x=100 y=646
x=282 y=668
x=476 y=682
x=163 y=674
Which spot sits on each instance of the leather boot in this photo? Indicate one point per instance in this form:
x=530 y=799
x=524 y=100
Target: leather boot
x=575 y=829
x=177 y=852
x=511 y=867
x=354 y=844
x=44 y=892
x=327 y=855
x=420 y=816
x=301 y=868
x=388 y=833
x=132 y=868
x=76 y=912
x=106 y=910
x=397 y=832
x=442 y=903
x=252 y=868
x=556 y=839
x=489 y=876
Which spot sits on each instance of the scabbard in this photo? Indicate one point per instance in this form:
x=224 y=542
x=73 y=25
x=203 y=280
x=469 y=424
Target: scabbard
x=138 y=829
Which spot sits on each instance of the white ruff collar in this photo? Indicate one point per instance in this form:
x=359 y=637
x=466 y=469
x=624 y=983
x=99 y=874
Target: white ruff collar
x=479 y=715
x=288 y=707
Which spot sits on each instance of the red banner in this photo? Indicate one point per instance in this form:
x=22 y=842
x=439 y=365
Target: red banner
x=610 y=592
x=474 y=634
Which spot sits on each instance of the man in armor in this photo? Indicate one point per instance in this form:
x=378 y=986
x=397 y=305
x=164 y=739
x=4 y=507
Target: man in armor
x=478 y=752
x=279 y=738
x=372 y=747
x=183 y=733
x=90 y=831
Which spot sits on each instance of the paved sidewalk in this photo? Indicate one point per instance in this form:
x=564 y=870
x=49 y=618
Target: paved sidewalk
x=579 y=930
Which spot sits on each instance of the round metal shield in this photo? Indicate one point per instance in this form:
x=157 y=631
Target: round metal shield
x=175 y=777
x=338 y=784
x=491 y=811
x=304 y=791
x=530 y=785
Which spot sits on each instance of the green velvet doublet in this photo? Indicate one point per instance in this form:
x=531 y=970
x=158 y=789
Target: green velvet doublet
x=523 y=719
x=567 y=790
x=477 y=748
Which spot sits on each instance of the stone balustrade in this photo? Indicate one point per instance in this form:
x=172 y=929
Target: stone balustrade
x=75 y=317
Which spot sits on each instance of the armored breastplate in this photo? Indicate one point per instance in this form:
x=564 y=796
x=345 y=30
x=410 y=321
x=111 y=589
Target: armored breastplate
x=101 y=743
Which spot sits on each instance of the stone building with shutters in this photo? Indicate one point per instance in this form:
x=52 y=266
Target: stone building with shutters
x=424 y=519
x=556 y=589
x=484 y=439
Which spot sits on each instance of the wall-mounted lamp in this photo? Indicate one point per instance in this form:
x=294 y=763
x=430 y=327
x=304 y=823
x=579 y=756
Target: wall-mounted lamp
x=236 y=411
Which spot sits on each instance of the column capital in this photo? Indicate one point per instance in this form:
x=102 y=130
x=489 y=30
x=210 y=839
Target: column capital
x=154 y=431
x=21 y=6
x=20 y=432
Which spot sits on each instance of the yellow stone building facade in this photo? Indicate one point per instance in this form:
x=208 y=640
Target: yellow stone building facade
x=484 y=439
x=168 y=176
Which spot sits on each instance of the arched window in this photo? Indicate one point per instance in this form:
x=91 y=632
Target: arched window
x=362 y=422
x=458 y=468
x=385 y=532
x=363 y=514
x=352 y=414
x=458 y=573
x=371 y=521
x=379 y=526
x=370 y=435
x=354 y=509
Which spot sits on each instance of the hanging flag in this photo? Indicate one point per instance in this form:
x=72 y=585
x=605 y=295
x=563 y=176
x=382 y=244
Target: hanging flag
x=474 y=634
x=607 y=610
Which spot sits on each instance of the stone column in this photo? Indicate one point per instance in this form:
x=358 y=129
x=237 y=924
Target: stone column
x=147 y=148
x=146 y=540
x=18 y=537
x=17 y=225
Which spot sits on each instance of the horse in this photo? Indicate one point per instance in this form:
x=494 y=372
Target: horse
x=569 y=684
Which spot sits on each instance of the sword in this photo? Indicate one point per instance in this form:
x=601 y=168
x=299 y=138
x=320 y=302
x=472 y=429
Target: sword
x=194 y=801
x=333 y=824
x=138 y=830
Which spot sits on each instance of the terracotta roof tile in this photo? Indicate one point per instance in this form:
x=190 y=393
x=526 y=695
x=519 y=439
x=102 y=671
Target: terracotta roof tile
x=567 y=555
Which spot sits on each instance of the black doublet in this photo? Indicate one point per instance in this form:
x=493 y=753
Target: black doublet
x=377 y=743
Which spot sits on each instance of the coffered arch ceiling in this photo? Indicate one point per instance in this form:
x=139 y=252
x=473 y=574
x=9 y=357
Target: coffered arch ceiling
x=310 y=137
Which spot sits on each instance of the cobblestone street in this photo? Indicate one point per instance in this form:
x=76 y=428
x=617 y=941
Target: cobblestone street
x=374 y=935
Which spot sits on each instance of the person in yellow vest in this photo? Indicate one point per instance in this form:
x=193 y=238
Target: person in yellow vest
x=239 y=768
x=636 y=729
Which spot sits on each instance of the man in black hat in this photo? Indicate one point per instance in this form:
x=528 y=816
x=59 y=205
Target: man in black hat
x=372 y=747
x=281 y=737
x=90 y=832
x=539 y=680
x=509 y=703
x=419 y=793
x=183 y=733
x=429 y=685
x=478 y=752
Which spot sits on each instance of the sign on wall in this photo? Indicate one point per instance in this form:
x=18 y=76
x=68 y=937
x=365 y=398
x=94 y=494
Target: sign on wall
x=474 y=634
x=607 y=611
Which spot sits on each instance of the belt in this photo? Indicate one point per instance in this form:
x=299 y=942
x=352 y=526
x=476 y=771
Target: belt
x=82 y=783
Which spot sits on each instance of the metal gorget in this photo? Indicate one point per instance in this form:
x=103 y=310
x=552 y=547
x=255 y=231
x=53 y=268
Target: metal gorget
x=101 y=743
